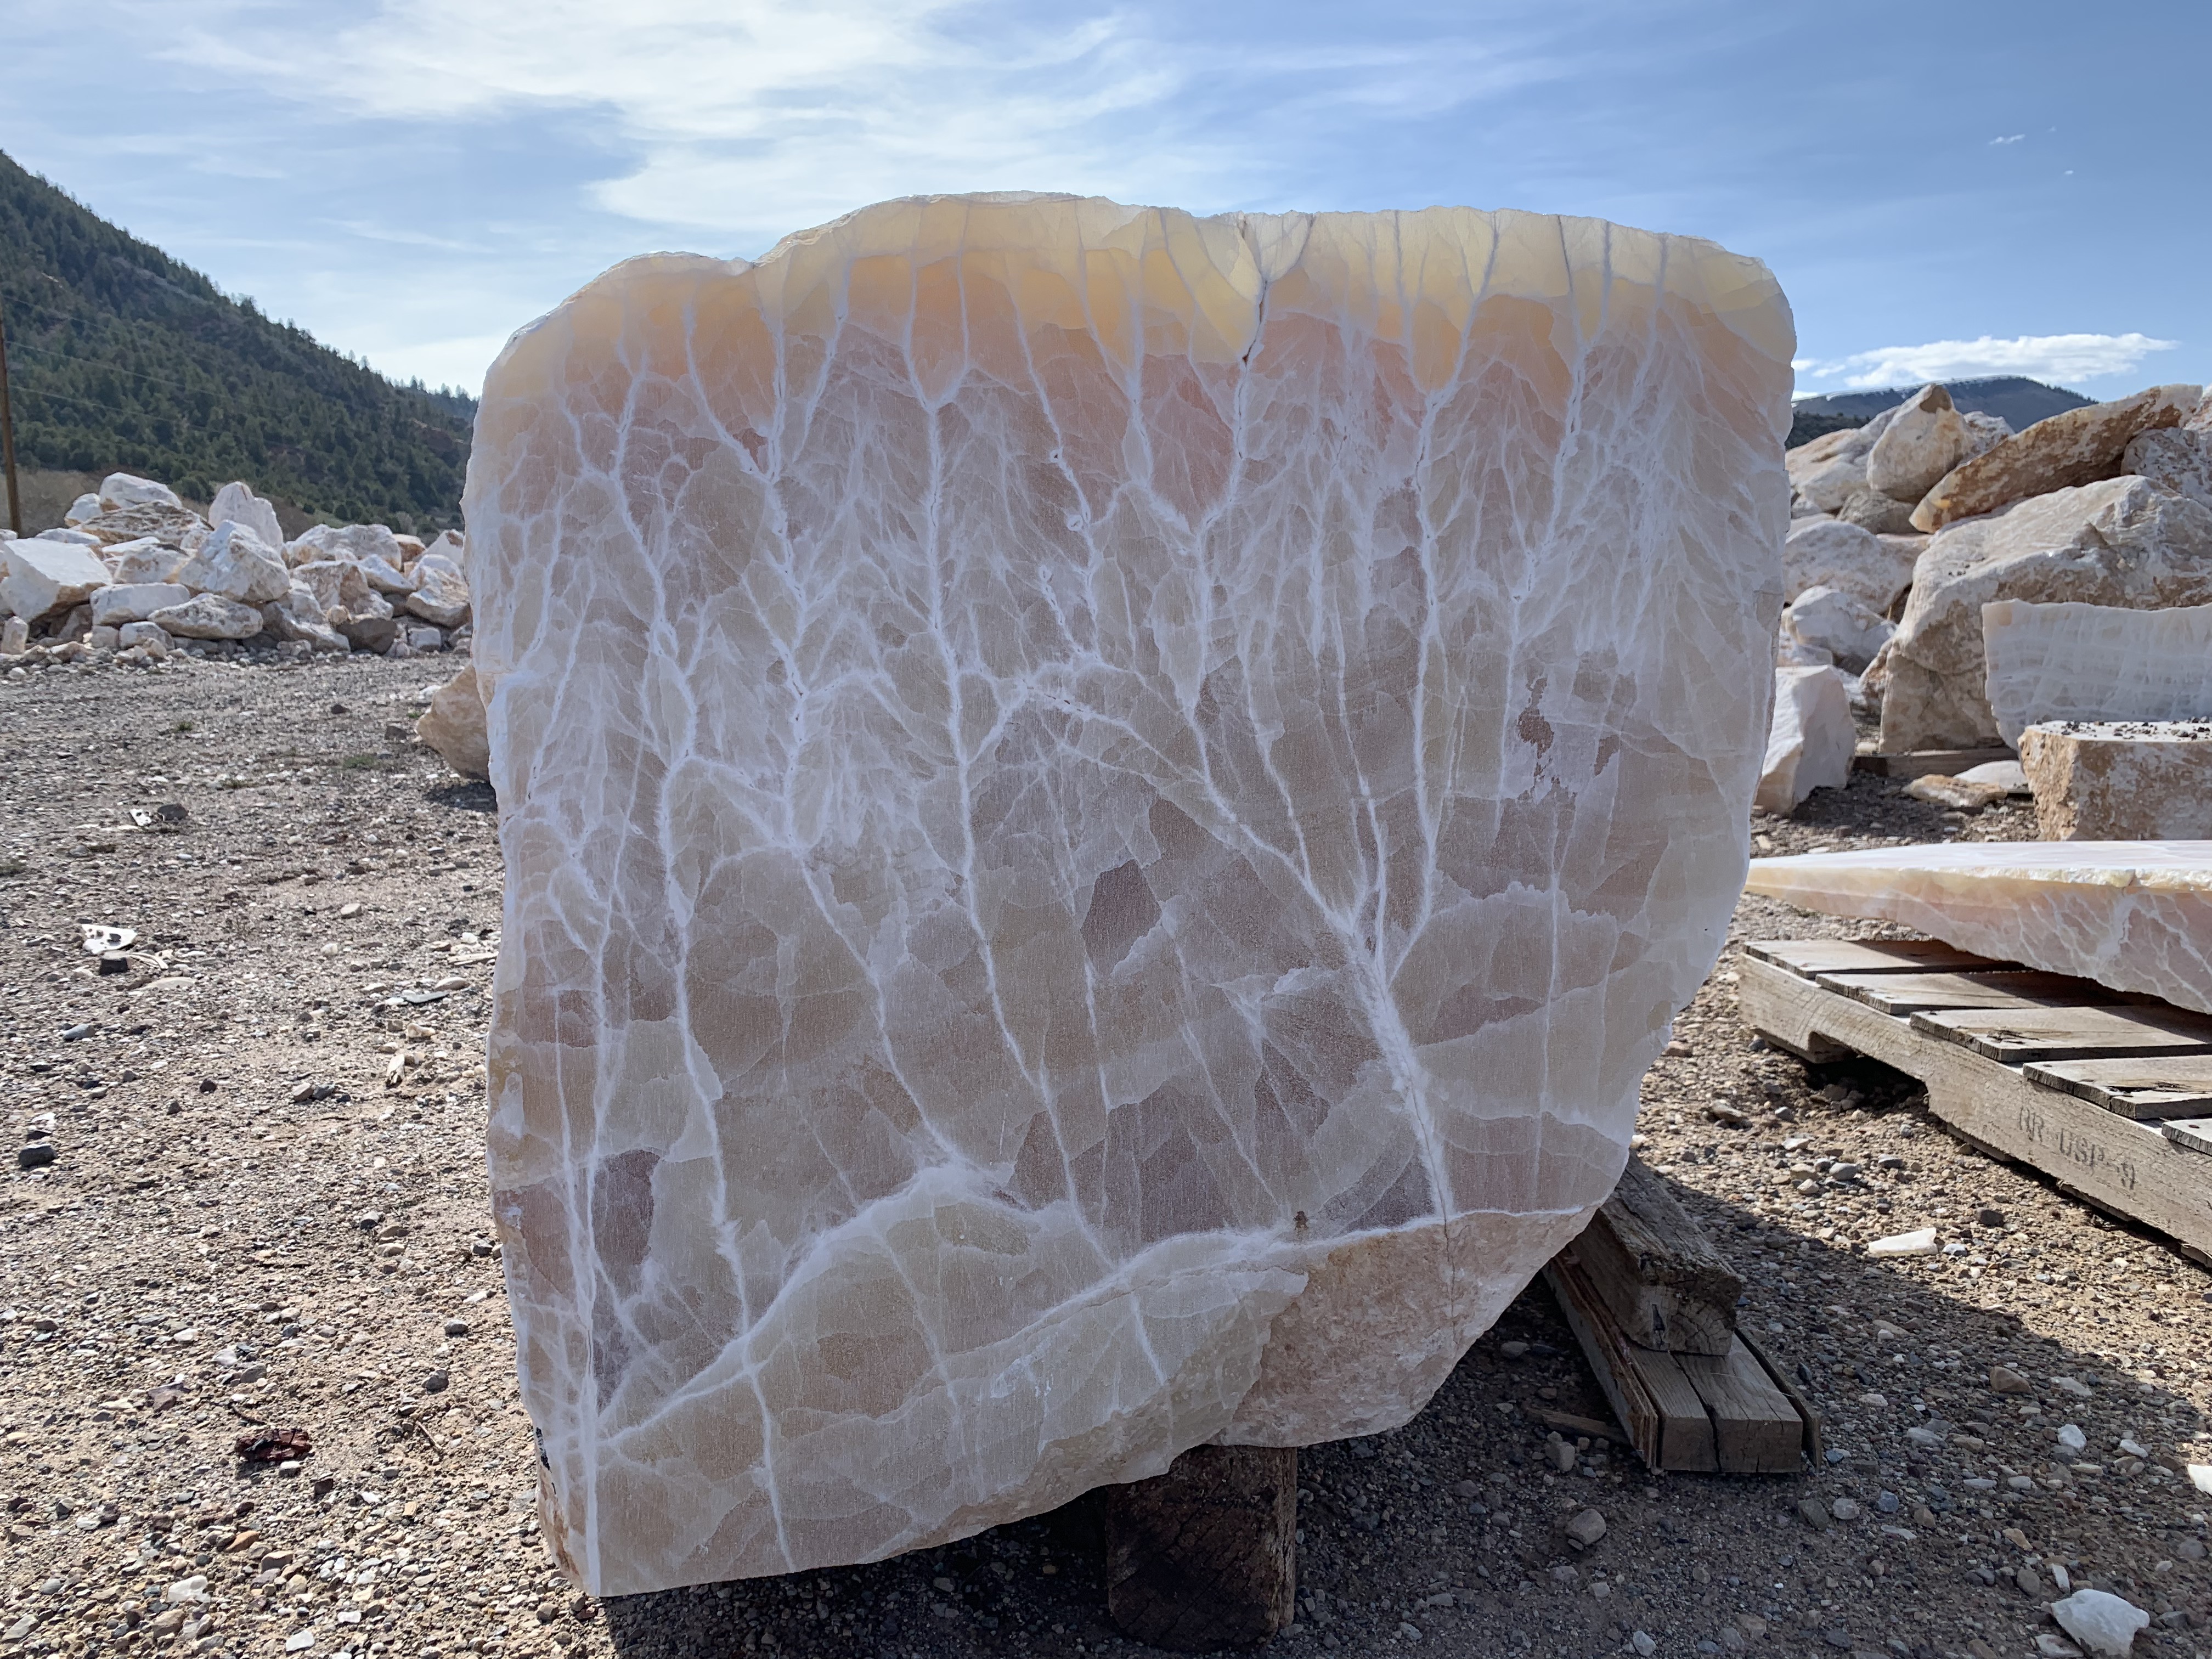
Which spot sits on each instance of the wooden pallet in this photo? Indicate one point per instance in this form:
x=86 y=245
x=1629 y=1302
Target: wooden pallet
x=2069 y=1077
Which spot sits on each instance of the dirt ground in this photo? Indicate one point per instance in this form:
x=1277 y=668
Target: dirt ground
x=266 y=1208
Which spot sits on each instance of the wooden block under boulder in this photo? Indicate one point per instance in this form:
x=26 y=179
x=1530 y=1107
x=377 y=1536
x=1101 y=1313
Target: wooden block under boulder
x=1654 y=1267
x=1666 y=1421
x=1206 y=1556
x=1924 y=762
x=1756 y=1430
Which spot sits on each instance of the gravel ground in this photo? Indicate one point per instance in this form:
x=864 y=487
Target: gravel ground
x=266 y=1210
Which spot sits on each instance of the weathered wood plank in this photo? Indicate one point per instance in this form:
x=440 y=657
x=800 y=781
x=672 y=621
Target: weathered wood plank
x=1205 y=1556
x=2148 y=1085
x=2121 y=1165
x=1816 y=1441
x=2010 y=987
x=2014 y=1037
x=1666 y=1421
x=1809 y=957
x=1656 y=1269
x=1756 y=1431
x=1923 y=763
x=2191 y=1133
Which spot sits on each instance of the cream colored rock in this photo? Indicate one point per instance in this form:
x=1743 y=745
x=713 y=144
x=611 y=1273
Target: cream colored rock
x=2135 y=915
x=441 y=594
x=144 y=560
x=236 y=503
x=2066 y=450
x=149 y=637
x=1827 y=471
x=1088 y=874
x=363 y=543
x=237 y=564
x=1842 y=624
x=1961 y=794
x=118 y=490
x=2096 y=662
x=2173 y=458
x=1830 y=553
x=41 y=577
x=174 y=526
x=1871 y=510
x=2121 y=542
x=15 y=637
x=336 y=582
x=1924 y=439
x=2120 y=780
x=130 y=602
x=1811 y=740
x=82 y=508
x=210 y=617
x=1984 y=433
x=454 y=725
x=298 y=615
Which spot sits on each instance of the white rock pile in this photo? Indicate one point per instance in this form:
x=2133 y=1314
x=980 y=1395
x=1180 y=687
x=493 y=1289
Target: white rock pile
x=134 y=576
x=1904 y=530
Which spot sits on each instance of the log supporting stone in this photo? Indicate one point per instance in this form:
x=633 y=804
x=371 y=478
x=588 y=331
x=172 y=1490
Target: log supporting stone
x=1205 y=1556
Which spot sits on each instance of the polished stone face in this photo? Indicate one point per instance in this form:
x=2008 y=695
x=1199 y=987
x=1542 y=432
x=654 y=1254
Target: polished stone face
x=2135 y=915
x=1103 y=811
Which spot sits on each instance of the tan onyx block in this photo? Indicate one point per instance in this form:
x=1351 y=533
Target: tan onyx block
x=2120 y=780
x=1103 y=811
x=2135 y=915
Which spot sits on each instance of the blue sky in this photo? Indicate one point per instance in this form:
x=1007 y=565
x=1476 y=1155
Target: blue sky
x=1945 y=187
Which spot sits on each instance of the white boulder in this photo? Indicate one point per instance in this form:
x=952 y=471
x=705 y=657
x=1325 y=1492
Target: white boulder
x=1828 y=470
x=130 y=602
x=298 y=616
x=455 y=725
x=42 y=576
x=144 y=560
x=441 y=593
x=237 y=564
x=118 y=490
x=2096 y=662
x=1841 y=624
x=1812 y=740
x=2172 y=458
x=2103 y=1623
x=1924 y=439
x=236 y=503
x=147 y=636
x=1830 y=553
x=210 y=617
x=84 y=506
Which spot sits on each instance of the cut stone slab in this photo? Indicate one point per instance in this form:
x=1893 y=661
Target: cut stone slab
x=1924 y=439
x=1831 y=553
x=40 y=578
x=1088 y=875
x=2062 y=452
x=2096 y=662
x=455 y=725
x=2120 y=780
x=2134 y=915
x=2123 y=542
x=1810 y=743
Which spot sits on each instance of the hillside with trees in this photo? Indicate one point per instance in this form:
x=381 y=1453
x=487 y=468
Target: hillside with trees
x=121 y=359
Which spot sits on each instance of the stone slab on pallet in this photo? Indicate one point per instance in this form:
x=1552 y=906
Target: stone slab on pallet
x=2116 y=1163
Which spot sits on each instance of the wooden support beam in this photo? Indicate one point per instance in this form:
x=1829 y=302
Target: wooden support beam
x=1206 y=1556
x=1652 y=1264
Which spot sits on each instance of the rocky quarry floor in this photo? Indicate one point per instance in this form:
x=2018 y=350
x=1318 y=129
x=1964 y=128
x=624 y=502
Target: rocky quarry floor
x=265 y=1210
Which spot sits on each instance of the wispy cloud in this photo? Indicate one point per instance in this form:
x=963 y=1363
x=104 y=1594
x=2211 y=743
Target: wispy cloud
x=2040 y=356
x=2009 y=138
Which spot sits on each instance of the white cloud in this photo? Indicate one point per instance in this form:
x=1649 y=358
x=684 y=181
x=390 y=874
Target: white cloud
x=2010 y=138
x=2040 y=356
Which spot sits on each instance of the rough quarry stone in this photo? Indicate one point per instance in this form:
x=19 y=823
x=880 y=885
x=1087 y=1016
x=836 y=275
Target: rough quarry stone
x=144 y=560
x=118 y=490
x=1831 y=553
x=41 y=577
x=83 y=507
x=237 y=564
x=454 y=725
x=1811 y=741
x=441 y=594
x=210 y=617
x=2073 y=448
x=236 y=503
x=149 y=637
x=2121 y=780
x=2173 y=458
x=1842 y=624
x=363 y=543
x=175 y=526
x=336 y=582
x=1827 y=471
x=2135 y=915
x=2096 y=662
x=1924 y=439
x=2121 y=542
x=130 y=602
x=298 y=616
x=1086 y=876
x=1871 y=510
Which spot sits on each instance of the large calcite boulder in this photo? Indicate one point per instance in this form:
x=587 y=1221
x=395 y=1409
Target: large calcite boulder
x=2135 y=915
x=2062 y=452
x=1103 y=812
x=2096 y=662
x=2120 y=780
x=2121 y=542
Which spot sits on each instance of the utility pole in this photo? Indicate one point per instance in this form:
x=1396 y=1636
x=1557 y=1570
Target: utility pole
x=8 y=436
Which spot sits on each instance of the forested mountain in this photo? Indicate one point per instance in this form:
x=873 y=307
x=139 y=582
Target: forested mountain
x=120 y=358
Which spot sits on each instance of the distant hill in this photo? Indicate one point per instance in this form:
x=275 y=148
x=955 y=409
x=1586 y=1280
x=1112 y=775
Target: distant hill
x=121 y=359
x=2016 y=400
